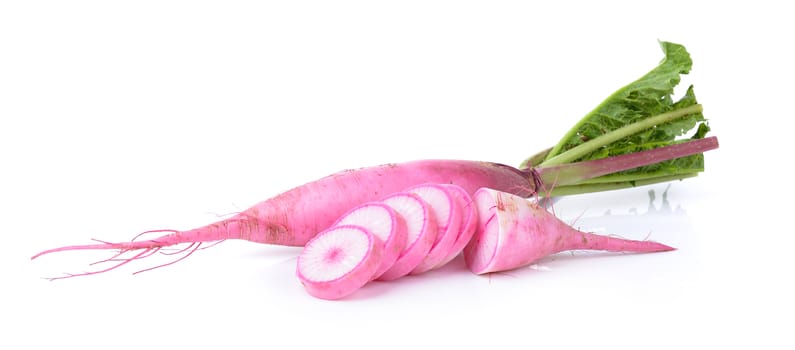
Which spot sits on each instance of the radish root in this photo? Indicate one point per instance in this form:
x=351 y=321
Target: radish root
x=147 y=248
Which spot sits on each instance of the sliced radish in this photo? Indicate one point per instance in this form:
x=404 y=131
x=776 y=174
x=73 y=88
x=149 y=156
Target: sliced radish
x=420 y=229
x=383 y=222
x=482 y=248
x=468 y=224
x=448 y=221
x=339 y=261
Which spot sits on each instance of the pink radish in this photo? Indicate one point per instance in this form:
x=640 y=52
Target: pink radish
x=515 y=232
x=383 y=222
x=339 y=261
x=421 y=232
x=448 y=222
x=292 y=218
x=468 y=224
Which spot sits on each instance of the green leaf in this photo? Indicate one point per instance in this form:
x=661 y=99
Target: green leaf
x=649 y=96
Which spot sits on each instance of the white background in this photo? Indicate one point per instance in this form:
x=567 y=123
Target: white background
x=118 y=117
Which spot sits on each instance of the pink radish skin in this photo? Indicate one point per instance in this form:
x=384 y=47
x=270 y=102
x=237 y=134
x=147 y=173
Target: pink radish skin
x=469 y=222
x=295 y=216
x=448 y=222
x=383 y=222
x=339 y=261
x=421 y=232
x=515 y=232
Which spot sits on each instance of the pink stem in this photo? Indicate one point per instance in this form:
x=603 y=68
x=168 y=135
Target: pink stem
x=572 y=173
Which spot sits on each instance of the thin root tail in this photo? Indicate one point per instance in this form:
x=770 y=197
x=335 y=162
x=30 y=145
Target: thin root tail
x=129 y=252
x=162 y=241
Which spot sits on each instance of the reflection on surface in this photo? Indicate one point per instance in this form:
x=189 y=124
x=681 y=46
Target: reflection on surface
x=658 y=218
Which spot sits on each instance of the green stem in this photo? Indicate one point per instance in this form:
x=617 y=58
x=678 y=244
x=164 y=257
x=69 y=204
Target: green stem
x=534 y=159
x=599 y=187
x=620 y=133
x=613 y=178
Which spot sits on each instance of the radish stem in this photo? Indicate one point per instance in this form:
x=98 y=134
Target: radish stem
x=580 y=172
x=620 y=133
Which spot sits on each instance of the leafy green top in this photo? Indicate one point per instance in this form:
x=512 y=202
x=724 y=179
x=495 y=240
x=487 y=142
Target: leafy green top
x=641 y=119
x=648 y=96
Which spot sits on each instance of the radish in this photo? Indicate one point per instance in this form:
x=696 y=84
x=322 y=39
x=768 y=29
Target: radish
x=448 y=215
x=515 y=232
x=635 y=137
x=339 y=261
x=383 y=222
x=292 y=218
x=421 y=232
x=468 y=224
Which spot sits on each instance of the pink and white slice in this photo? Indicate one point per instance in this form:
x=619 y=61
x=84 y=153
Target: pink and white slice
x=383 y=222
x=339 y=261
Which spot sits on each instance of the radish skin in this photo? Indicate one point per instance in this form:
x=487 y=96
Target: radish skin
x=339 y=261
x=469 y=222
x=421 y=233
x=383 y=222
x=448 y=215
x=515 y=232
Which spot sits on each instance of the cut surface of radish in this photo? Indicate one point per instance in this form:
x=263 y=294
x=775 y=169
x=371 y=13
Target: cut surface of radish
x=383 y=222
x=420 y=233
x=448 y=222
x=469 y=221
x=339 y=261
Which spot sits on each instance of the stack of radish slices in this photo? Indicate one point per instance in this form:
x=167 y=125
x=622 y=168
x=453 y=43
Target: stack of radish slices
x=426 y=226
x=411 y=232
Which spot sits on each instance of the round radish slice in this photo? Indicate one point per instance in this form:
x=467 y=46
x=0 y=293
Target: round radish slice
x=339 y=261
x=420 y=229
x=383 y=222
x=448 y=221
x=468 y=224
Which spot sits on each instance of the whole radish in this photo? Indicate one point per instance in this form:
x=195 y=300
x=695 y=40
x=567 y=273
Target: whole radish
x=293 y=217
x=515 y=232
x=623 y=133
x=338 y=261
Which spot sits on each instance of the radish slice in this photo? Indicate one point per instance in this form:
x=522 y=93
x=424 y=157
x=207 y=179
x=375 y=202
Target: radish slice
x=468 y=224
x=383 y=222
x=421 y=233
x=448 y=221
x=339 y=261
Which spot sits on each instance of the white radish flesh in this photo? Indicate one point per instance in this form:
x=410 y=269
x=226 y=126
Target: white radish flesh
x=448 y=222
x=383 y=222
x=421 y=233
x=339 y=261
x=469 y=221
